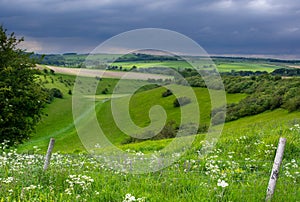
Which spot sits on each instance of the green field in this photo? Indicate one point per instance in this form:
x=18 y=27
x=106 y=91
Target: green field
x=221 y=66
x=226 y=67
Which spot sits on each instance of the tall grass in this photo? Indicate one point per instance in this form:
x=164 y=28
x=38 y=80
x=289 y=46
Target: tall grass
x=237 y=169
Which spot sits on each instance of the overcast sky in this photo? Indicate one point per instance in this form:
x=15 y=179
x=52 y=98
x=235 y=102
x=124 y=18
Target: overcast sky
x=255 y=27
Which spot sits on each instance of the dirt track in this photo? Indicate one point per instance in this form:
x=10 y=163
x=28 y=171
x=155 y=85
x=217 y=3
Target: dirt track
x=295 y=66
x=107 y=74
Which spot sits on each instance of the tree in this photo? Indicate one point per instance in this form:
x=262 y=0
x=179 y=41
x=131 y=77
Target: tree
x=21 y=97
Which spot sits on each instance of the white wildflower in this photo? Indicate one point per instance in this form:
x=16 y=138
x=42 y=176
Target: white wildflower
x=222 y=183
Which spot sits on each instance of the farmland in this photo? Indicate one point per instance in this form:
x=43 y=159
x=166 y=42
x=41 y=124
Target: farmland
x=223 y=64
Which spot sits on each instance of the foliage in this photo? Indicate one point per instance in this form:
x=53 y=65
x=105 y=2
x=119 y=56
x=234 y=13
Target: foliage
x=21 y=97
x=287 y=72
x=167 y=93
x=181 y=101
x=265 y=92
x=168 y=131
x=218 y=118
x=54 y=93
x=105 y=91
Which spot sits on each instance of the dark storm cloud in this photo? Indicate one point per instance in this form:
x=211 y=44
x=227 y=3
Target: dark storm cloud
x=220 y=26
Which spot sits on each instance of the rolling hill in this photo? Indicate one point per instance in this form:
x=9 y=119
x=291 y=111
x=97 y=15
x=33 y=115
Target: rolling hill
x=58 y=120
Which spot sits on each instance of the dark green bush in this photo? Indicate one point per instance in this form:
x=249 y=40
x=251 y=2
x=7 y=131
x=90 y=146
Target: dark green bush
x=56 y=93
x=179 y=102
x=167 y=93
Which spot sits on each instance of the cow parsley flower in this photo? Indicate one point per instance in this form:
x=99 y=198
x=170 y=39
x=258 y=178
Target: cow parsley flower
x=130 y=198
x=222 y=183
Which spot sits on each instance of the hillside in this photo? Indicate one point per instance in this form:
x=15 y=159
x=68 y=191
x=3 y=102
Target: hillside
x=58 y=120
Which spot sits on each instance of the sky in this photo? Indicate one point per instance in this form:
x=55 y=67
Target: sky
x=221 y=27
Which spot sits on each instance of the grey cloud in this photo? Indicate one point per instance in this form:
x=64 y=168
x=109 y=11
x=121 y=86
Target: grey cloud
x=220 y=26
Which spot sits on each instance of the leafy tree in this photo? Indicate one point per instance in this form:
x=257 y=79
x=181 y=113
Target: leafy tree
x=21 y=97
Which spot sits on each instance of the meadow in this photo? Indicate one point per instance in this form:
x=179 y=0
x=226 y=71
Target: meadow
x=236 y=169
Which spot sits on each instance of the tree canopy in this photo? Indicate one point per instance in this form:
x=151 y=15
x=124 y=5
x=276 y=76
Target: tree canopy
x=22 y=98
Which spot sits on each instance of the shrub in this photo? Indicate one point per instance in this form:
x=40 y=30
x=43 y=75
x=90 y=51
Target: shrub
x=218 y=118
x=168 y=131
x=55 y=92
x=167 y=93
x=293 y=104
x=105 y=91
x=179 y=102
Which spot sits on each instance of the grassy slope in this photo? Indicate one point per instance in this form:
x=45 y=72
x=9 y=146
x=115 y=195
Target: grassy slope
x=141 y=104
x=59 y=121
x=247 y=125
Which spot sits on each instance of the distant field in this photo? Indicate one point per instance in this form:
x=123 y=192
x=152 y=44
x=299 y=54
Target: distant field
x=146 y=64
x=107 y=74
x=227 y=67
x=295 y=66
x=222 y=67
x=223 y=64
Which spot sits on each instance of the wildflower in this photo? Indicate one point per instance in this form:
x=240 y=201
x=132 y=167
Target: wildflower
x=8 y=180
x=31 y=187
x=222 y=183
x=128 y=198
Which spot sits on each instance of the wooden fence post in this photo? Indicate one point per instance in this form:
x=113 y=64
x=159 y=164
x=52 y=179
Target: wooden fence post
x=48 y=155
x=275 y=169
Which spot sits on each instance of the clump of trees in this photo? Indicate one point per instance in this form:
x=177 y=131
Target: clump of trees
x=21 y=97
x=54 y=93
x=265 y=92
x=170 y=130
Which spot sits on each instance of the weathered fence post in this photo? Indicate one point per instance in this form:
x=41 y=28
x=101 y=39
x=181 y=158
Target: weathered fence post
x=48 y=155
x=275 y=169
